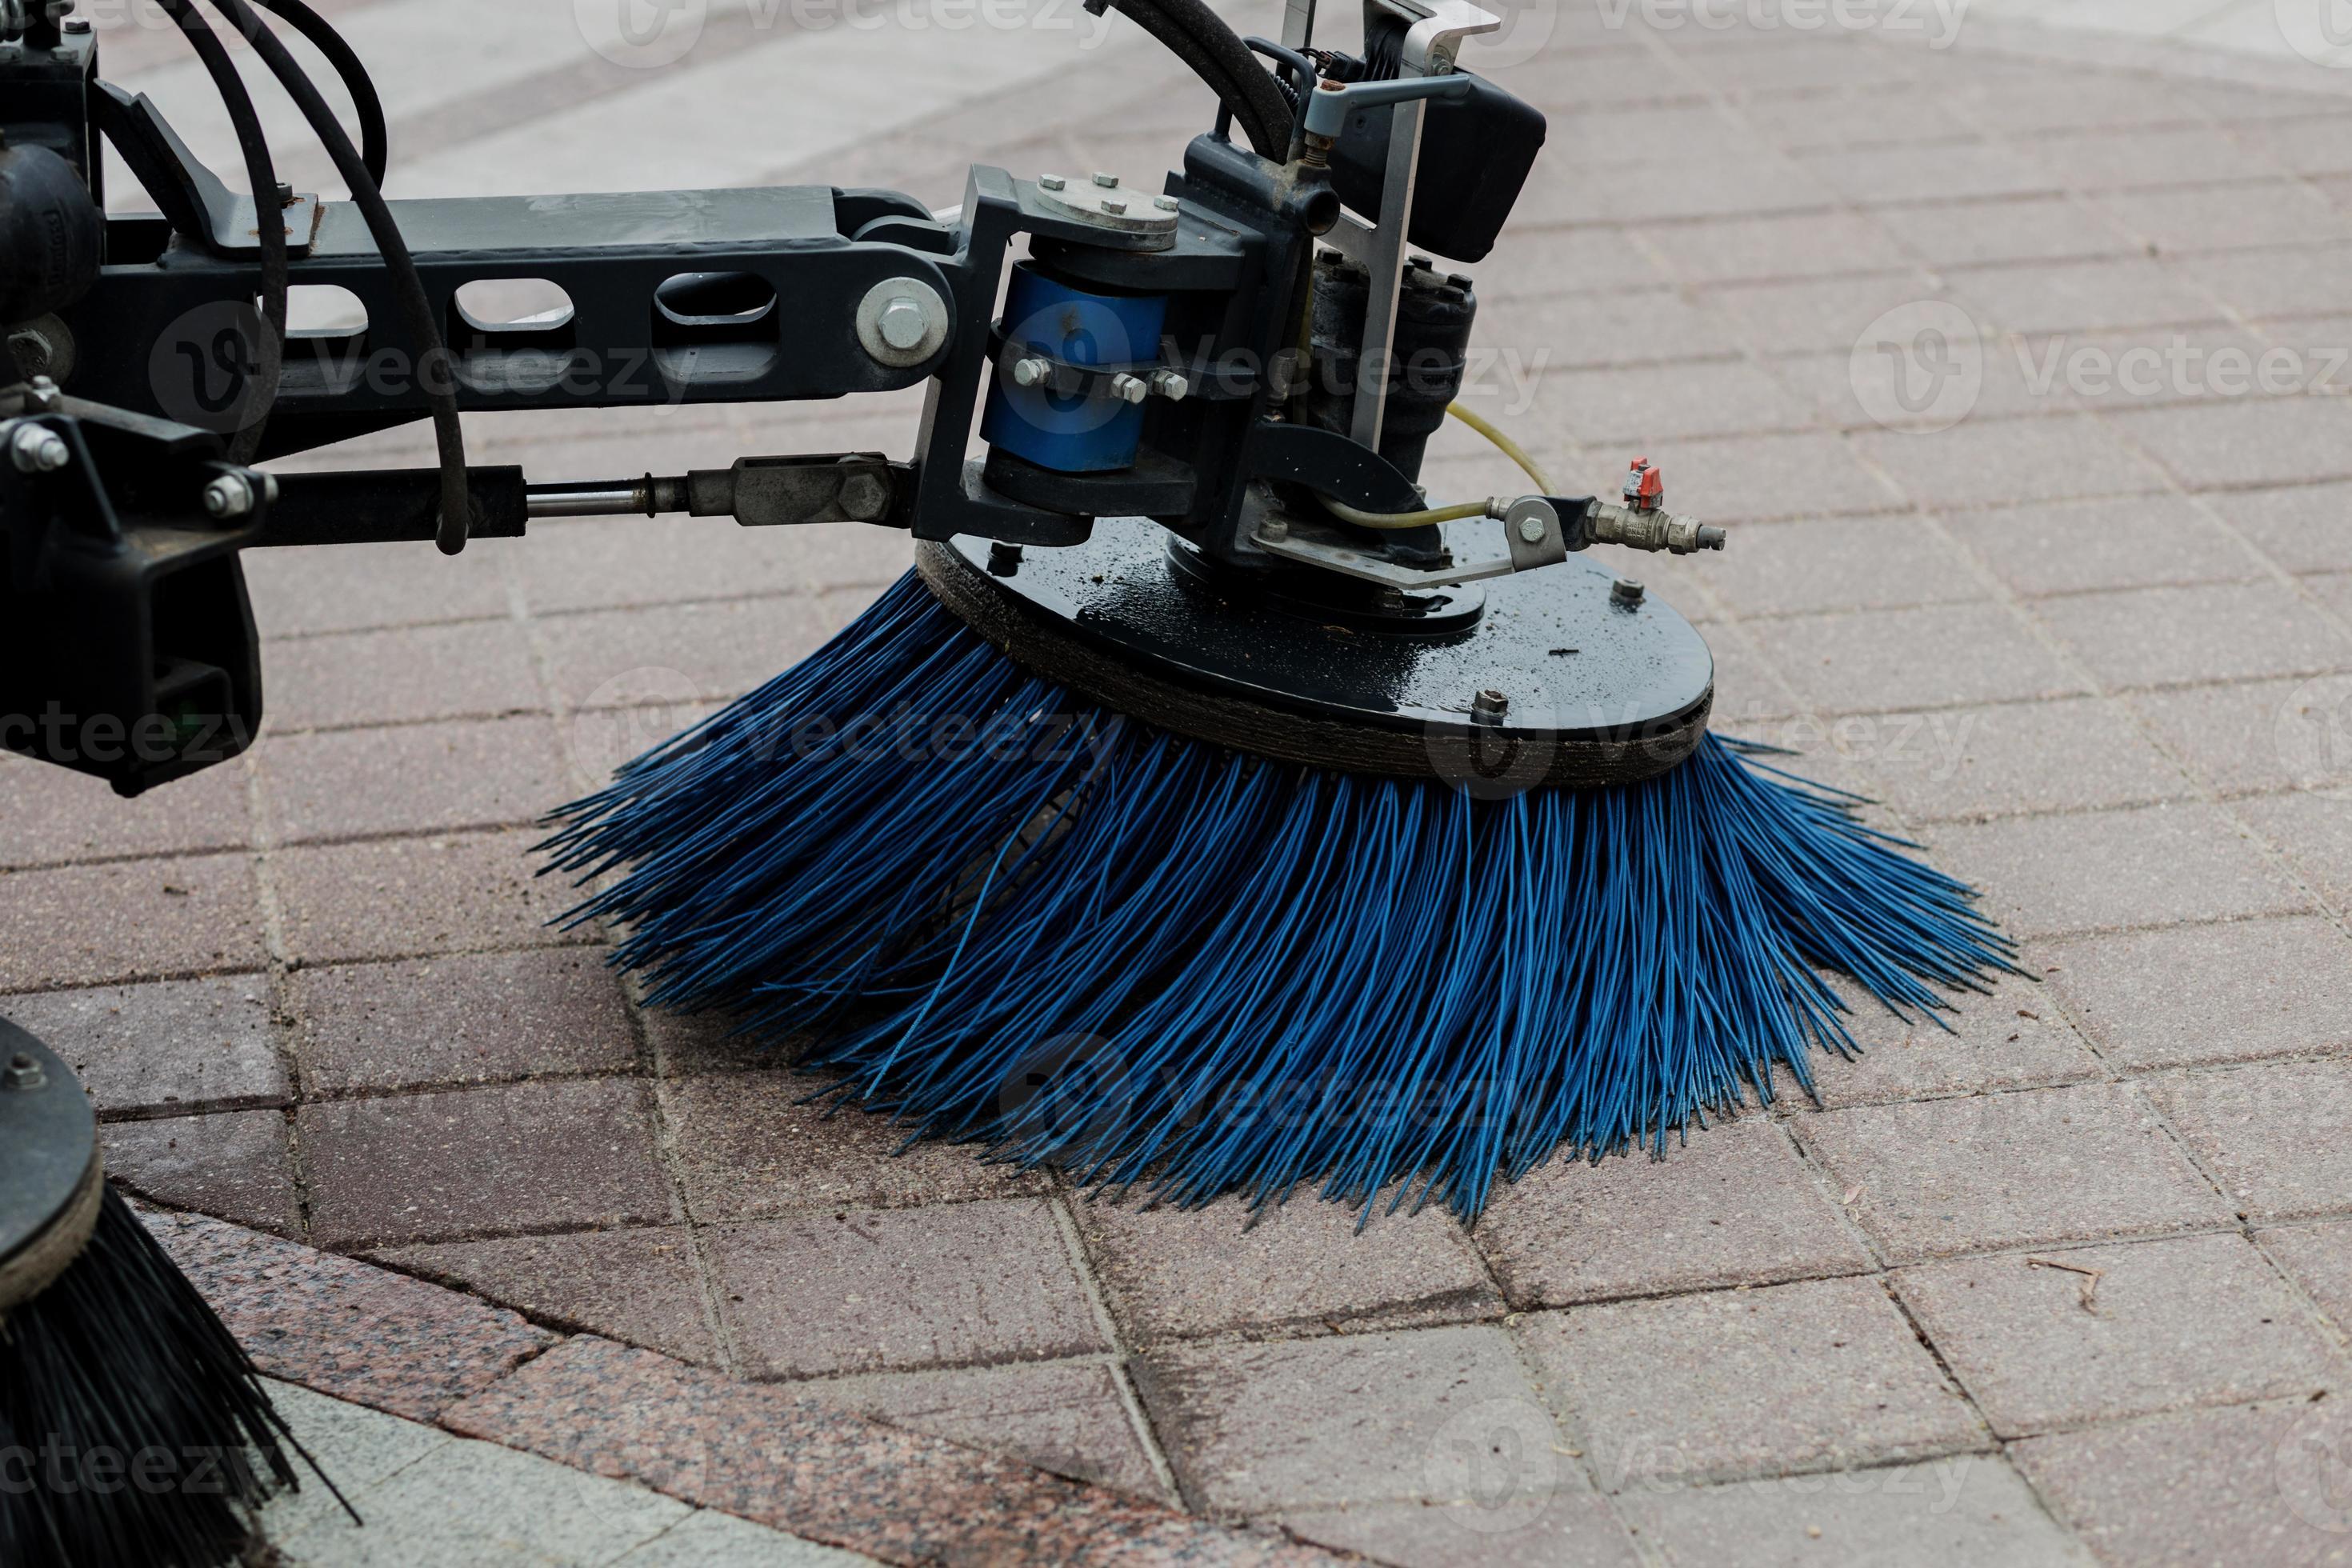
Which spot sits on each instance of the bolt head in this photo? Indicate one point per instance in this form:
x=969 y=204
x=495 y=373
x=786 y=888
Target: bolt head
x=1051 y=182
x=1004 y=560
x=864 y=497
x=903 y=323
x=1030 y=372
x=1170 y=384
x=41 y=393
x=36 y=450
x=1108 y=182
x=1166 y=204
x=1628 y=591
x=1114 y=205
x=1531 y=530
x=228 y=496
x=1129 y=388
x=1490 y=705
x=75 y=26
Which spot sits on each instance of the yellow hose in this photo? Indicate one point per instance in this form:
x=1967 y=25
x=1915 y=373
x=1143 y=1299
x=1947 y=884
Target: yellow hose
x=1402 y=520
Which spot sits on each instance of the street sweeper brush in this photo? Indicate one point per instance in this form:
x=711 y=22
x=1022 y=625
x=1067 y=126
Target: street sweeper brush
x=1085 y=859
x=133 y=1431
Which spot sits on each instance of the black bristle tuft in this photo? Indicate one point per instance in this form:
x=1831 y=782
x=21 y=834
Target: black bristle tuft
x=134 y=1431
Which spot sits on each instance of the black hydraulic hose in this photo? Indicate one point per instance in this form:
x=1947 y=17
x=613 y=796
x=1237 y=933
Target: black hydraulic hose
x=1200 y=37
x=375 y=139
x=261 y=174
x=434 y=373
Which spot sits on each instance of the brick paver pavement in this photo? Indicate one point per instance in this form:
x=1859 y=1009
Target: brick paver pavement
x=2065 y=579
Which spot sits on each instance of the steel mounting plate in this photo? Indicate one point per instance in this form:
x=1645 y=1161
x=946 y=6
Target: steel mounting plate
x=1599 y=692
x=47 y=1136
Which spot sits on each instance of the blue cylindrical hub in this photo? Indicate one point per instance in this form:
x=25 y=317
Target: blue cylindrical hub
x=1075 y=433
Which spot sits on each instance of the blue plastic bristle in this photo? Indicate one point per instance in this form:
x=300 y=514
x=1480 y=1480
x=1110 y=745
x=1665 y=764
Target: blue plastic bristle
x=1006 y=916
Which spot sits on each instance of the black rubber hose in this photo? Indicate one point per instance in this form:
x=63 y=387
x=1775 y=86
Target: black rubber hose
x=1200 y=37
x=376 y=138
x=261 y=174
x=434 y=373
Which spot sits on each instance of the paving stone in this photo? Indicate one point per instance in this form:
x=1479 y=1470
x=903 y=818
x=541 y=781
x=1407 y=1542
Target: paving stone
x=2243 y=443
x=1842 y=564
x=717 y=650
x=2273 y=281
x=1824 y=1373
x=2003 y=462
x=2272 y=1133
x=1887 y=176
x=1569 y=1529
x=1748 y=479
x=2319 y=1258
x=2022 y=228
x=747 y=1149
x=1731 y=249
x=343 y=1328
x=2221 y=1486
x=1637 y=406
x=479 y=1502
x=233 y=1164
x=481 y=1161
x=1734 y=1205
x=986 y=1281
x=2081 y=297
x=372 y=587
x=1968 y=1507
x=470 y=1018
x=1177 y=1274
x=85 y=925
x=2259 y=736
x=2193 y=996
x=474 y=668
x=2015 y=758
x=2010 y=1039
x=359 y=1447
x=2105 y=160
x=775 y=1458
x=402 y=897
x=1065 y=1417
x=2082 y=1163
x=1353 y=1418
x=2036 y=1358
x=2313 y=831
x=1936 y=656
x=601 y=563
x=2226 y=217
x=638 y=1287
x=181 y=1044
x=1810 y=315
x=418 y=778
x=2085 y=546
x=709 y=1539
x=1734 y=184
x=1553 y=333
x=56 y=816
x=2303 y=528
x=2163 y=865
x=2233 y=631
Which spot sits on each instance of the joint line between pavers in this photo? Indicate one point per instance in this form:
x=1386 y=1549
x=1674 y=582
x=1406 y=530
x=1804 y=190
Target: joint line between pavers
x=1107 y=1323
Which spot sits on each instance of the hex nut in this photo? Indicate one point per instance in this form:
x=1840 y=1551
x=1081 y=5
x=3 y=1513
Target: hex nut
x=1627 y=591
x=36 y=449
x=902 y=321
x=1129 y=388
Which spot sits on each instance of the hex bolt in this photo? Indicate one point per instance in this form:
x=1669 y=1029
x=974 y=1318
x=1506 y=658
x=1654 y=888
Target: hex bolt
x=1116 y=206
x=864 y=496
x=75 y=26
x=1051 y=182
x=38 y=450
x=1004 y=560
x=21 y=1072
x=1108 y=182
x=1170 y=384
x=1129 y=388
x=1531 y=530
x=1030 y=372
x=1627 y=591
x=903 y=323
x=228 y=496
x=41 y=395
x=1166 y=204
x=1489 y=706
x=1275 y=528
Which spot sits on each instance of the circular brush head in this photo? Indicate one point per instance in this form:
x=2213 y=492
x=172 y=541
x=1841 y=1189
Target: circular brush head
x=130 y=1420
x=1562 y=679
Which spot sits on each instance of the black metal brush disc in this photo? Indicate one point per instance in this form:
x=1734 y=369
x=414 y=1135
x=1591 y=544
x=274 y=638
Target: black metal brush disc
x=49 y=1177
x=1594 y=690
